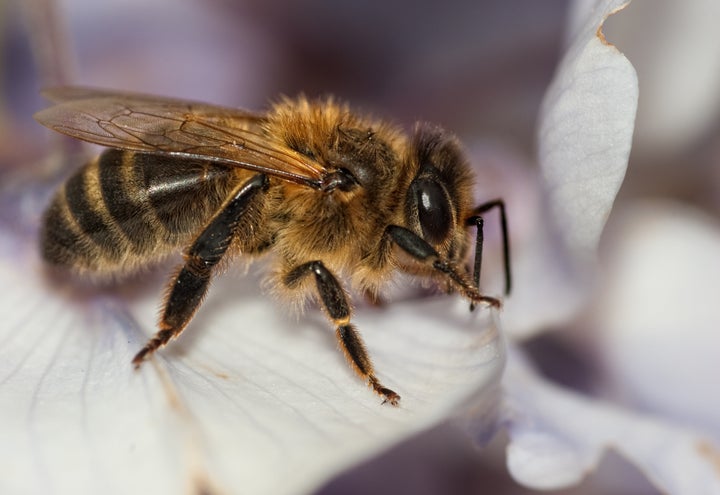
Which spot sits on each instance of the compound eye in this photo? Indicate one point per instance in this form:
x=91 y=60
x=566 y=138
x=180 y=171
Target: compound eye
x=433 y=207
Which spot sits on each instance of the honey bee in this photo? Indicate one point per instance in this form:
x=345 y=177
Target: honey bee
x=330 y=196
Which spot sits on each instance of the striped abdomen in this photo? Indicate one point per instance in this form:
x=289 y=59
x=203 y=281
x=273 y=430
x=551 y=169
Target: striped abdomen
x=125 y=209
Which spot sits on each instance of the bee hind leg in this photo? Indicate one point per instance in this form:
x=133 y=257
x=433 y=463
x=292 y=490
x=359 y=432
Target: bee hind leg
x=336 y=304
x=189 y=286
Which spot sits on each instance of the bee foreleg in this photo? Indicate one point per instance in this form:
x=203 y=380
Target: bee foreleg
x=419 y=249
x=477 y=220
x=336 y=305
x=189 y=286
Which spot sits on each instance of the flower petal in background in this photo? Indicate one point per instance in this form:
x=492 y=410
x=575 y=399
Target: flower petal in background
x=653 y=327
x=584 y=137
x=654 y=330
x=557 y=437
x=585 y=132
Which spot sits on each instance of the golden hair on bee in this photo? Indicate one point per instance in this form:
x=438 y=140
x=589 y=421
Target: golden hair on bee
x=335 y=200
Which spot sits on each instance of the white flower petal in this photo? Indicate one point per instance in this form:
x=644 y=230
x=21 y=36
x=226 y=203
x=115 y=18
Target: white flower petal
x=655 y=327
x=585 y=132
x=247 y=401
x=557 y=437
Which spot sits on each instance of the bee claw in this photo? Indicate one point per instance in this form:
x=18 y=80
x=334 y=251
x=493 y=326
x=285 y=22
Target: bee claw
x=493 y=302
x=137 y=363
x=391 y=397
x=388 y=395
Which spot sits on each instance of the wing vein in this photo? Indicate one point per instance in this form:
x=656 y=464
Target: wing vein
x=162 y=125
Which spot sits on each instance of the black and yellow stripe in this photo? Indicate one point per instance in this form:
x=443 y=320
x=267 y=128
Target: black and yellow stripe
x=125 y=209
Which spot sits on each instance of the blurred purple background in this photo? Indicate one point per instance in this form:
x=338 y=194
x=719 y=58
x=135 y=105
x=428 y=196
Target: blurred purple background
x=479 y=68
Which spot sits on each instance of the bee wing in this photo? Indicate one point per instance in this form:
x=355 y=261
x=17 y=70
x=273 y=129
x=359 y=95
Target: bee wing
x=171 y=126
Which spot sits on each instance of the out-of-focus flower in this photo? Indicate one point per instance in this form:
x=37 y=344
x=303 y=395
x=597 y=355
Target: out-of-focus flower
x=648 y=330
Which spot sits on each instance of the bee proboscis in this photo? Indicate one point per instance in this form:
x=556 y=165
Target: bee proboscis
x=331 y=197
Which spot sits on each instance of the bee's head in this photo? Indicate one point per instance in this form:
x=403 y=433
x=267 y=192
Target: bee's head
x=440 y=195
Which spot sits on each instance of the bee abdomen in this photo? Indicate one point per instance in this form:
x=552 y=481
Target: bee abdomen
x=63 y=242
x=124 y=210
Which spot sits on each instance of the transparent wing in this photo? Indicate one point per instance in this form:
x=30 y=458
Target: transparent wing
x=171 y=126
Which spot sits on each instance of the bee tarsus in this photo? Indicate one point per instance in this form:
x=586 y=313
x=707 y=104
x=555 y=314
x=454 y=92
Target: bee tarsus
x=336 y=305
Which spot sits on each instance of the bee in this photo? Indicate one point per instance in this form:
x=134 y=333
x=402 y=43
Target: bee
x=332 y=198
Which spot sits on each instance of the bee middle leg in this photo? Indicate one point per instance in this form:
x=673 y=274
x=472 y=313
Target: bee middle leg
x=336 y=304
x=189 y=286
